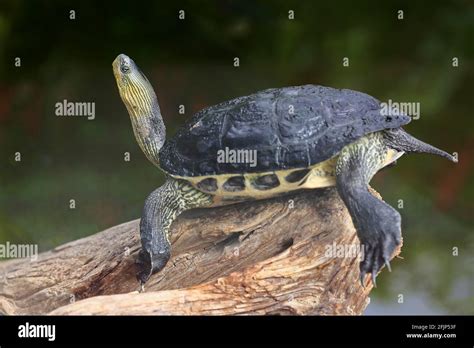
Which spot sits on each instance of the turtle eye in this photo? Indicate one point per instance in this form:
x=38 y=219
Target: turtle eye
x=124 y=69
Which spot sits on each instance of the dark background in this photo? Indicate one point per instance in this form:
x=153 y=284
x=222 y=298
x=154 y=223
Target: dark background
x=190 y=62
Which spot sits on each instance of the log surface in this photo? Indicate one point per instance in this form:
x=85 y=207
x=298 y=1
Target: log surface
x=263 y=257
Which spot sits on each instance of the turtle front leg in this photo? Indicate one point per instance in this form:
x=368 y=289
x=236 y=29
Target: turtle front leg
x=378 y=225
x=161 y=208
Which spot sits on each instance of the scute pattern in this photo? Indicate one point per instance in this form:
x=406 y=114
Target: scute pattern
x=208 y=185
x=297 y=175
x=266 y=182
x=234 y=184
x=291 y=127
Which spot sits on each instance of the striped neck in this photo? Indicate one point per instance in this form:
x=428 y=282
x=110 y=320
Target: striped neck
x=142 y=105
x=149 y=132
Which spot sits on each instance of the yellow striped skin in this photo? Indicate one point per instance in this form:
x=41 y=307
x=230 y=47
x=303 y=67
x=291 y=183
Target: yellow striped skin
x=140 y=100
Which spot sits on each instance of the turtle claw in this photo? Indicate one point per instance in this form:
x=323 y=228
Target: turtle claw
x=387 y=264
x=374 y=275
x=377 y=255
x=362 y=278
x=142 y=287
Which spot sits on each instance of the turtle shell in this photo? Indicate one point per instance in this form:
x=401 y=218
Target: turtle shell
x=291 y=127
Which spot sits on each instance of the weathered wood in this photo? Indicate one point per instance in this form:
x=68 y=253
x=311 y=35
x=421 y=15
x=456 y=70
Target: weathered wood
x=263 y=257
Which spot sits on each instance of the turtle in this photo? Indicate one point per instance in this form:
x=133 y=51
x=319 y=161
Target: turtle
x=264 y=145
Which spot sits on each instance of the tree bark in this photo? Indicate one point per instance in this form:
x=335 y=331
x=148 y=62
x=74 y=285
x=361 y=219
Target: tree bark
x=262 y=257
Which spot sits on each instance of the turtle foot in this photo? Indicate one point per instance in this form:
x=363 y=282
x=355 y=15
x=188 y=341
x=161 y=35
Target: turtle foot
x=149 y=264
x=378 y=252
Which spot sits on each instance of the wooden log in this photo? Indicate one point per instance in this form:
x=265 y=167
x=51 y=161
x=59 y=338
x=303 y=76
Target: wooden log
x=262 y=257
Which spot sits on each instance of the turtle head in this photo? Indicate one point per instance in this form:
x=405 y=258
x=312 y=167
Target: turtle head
x=127 y=73
x=140 y=99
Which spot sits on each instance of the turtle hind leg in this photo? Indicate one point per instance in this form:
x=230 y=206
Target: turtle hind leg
x=378 y=225
x=161 y=208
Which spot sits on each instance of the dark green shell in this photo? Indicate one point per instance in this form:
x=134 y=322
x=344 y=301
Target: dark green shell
x=291 y=127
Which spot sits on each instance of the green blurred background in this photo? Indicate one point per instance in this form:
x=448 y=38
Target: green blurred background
x=190 y=62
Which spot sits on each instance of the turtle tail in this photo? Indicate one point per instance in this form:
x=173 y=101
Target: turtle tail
x=400 y=140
